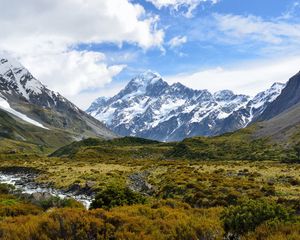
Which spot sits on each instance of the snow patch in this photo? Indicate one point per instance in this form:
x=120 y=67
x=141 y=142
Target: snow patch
x=5 y=106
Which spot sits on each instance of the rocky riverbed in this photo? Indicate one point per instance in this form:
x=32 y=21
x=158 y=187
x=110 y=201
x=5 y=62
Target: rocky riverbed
x=23 y=179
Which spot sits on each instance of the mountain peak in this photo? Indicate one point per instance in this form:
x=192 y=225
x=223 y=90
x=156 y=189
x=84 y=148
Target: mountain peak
x=146 y=78
x=149 y=107
x=28 y=100
x=8 y=62
x=146 y=82
x=15 y=77
x=150 y=73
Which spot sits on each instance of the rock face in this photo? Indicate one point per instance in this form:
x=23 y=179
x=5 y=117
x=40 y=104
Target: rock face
x=151 y=108
x=23 y=93
x=138 y=183
x=289 y=97
x=281 y=119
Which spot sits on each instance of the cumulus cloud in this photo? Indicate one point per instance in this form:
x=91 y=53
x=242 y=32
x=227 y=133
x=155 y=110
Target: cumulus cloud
x=73 y=71
x=44 y=35
x=177 y=41
x=250 y=78
x=176 y=5
x=67 y=22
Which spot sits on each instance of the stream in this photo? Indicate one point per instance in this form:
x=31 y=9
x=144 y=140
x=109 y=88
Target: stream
x=24 y=182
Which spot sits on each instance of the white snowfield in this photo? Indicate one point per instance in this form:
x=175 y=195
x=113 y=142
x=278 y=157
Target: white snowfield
x=5 y=106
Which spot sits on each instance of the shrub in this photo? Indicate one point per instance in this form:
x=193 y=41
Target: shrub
x=297 y=151
x=179 y=150
x=164 y=220
x=248 y=215
x=58 y=203
x=114 y=196
x=57 y=224
x=280 y=231
x=11 y=207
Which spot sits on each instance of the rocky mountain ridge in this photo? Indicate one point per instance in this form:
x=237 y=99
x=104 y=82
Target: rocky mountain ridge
x=151 y=108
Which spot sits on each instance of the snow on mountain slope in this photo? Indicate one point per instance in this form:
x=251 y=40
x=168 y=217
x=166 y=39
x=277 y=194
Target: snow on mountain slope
x=151 y=108
x=260 y=102
x=17 y=76
x=17 y=81
x=5 y=106
x=28 y=96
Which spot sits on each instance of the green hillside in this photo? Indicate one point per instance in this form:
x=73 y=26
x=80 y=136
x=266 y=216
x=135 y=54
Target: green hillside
x=239 y=183
x=240 y=145
x=15 y=129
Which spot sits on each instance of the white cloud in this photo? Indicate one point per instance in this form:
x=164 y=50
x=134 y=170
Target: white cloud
x=84 y=99
x=247 y=79
x=292 y=11
x=264 y=37
x=44 y=36
x=73 y=71
x=253 y=28
x=67 y=22
x=177 y=41
x=176 y=5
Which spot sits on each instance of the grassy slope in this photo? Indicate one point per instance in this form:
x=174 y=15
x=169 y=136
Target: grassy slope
x=17 y=130
x=283 y=129
x=232 y=146
x=119 y=148
x=197 y=186
x=240 y=145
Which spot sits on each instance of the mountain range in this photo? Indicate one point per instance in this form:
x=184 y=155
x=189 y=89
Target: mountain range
x=149 y=107
x=31 y=112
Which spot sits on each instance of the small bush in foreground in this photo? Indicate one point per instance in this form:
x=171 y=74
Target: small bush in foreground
x=164 y=220
x=280 y=231
x=250 y=214
x=114 y=196
x=58 y=202
x=11 y=207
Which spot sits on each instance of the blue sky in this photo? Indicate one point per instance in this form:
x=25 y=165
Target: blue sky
x=99 y=45
x=205 y=45
x=199 y=52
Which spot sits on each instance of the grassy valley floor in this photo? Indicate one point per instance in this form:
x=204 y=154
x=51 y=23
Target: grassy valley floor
x=151 y=190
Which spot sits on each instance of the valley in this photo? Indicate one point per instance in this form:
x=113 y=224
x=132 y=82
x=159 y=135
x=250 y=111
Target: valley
x=149 y=120
x=170 y=179
x=65 y=175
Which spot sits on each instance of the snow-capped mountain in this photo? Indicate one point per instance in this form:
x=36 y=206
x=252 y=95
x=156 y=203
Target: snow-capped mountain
x=17 y=83
x=151 y=108
x=27 y=100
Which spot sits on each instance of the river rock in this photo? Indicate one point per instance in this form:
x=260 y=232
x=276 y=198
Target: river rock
x=90 y=184
x=138 y=183
x=41 y=196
